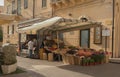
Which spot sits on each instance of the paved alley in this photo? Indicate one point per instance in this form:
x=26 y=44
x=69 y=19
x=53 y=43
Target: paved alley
x=42 y=68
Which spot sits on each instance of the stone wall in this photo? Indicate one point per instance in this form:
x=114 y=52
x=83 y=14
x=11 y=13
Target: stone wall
x=100 y=12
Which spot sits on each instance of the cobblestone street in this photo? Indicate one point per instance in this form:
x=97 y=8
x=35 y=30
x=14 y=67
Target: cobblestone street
x=41 y=68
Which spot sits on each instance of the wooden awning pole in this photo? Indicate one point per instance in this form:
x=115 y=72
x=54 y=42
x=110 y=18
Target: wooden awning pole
x=58 y=39
x=58 y=45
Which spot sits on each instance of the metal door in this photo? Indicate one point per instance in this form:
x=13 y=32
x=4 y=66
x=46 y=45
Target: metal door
x=85 y=38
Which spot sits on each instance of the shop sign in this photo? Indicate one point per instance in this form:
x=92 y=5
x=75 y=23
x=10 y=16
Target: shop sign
x=105 y=32
x=98 y=35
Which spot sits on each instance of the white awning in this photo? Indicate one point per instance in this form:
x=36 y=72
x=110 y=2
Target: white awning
x=40 y=25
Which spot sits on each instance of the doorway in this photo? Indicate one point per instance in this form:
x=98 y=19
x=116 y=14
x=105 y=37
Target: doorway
x=85 y=38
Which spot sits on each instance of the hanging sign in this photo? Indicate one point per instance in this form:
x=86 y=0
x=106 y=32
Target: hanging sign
x=105 y=32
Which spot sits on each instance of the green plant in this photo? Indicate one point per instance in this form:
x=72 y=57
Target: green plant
x=9 y=55
x=98 y=57
x=95 y=57
x=91 y=62
x=85 y=61
x=101 y=57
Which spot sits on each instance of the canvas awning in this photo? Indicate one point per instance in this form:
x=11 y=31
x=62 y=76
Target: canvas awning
x=40 y=25
x=63 y=24
x=78 y=25
x=7 y=18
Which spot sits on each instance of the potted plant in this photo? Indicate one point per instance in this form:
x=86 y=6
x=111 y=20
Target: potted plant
x=101 y=58
x=85 y=62
x=95 y=57
x=9 y=62
x=91 y=62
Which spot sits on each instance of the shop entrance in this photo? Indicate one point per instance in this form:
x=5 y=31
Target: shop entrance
x=85 y=38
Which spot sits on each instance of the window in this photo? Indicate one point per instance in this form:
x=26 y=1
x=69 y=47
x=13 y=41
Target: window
x=19 y=7
x=44 y=3
x=25 y=4
x=12 y=29
x=13 y=7
x=8 y=9
x=8 y=29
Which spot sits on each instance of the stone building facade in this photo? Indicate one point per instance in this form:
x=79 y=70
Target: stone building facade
x=95 y=10
x=28 y=10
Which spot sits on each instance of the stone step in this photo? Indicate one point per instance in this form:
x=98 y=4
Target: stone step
x=114 y=60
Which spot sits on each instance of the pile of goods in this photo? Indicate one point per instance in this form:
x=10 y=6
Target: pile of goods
x=85 y=57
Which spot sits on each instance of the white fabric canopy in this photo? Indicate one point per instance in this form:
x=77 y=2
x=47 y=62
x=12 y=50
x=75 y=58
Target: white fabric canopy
x=40 y=25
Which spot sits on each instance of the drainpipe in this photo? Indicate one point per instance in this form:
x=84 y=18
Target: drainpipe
x=33 y=9
x=113 y=28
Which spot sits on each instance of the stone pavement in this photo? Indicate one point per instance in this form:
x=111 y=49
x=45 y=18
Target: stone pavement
x=41 y=68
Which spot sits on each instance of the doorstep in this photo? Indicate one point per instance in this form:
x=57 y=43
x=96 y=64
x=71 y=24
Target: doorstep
x=114 y=60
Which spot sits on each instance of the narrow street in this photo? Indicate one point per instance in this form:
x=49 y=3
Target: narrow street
x=41 y=68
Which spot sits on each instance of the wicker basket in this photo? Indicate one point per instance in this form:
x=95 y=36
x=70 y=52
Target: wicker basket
x=50 y=57
x=65 y=59
x=41 y=53
x=44 y=56
x=77 y=60
x=70 y=59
